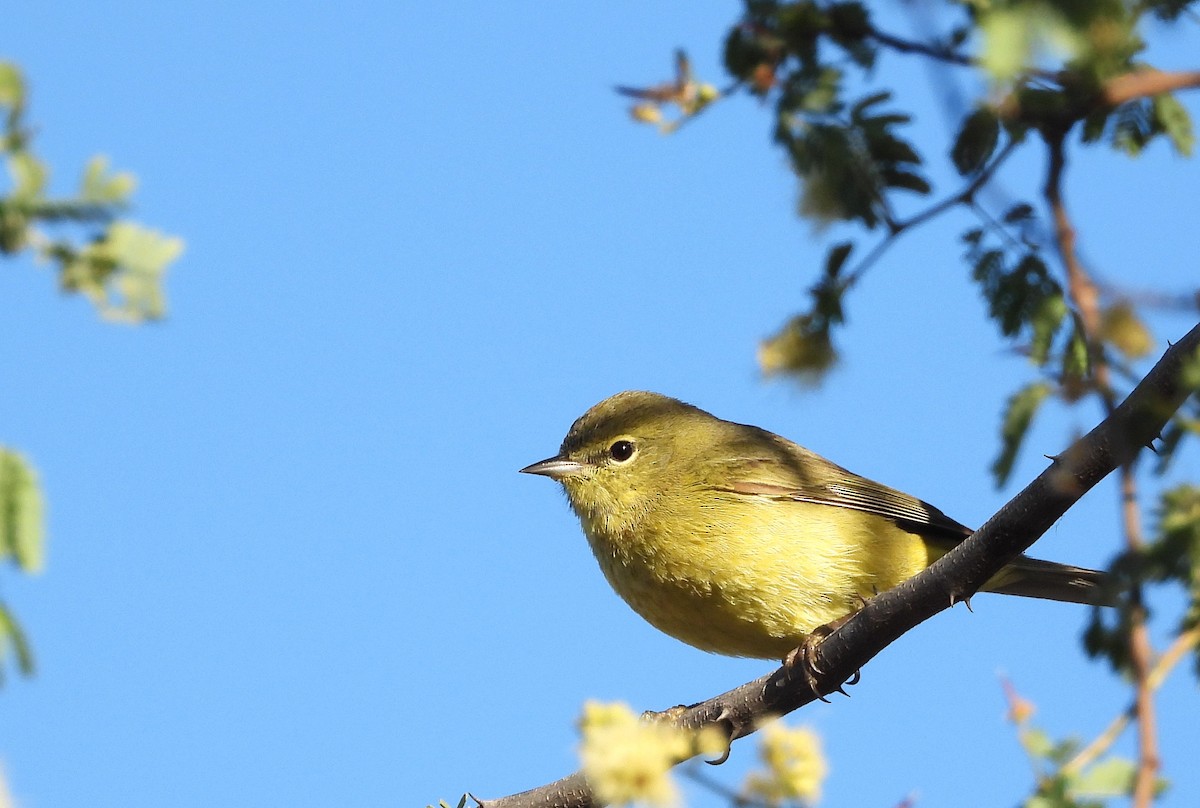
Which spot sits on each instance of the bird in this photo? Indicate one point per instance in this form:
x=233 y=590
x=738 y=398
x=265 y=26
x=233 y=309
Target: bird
x=740 y=542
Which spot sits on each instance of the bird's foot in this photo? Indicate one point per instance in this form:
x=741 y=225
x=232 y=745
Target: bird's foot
x=803 y=659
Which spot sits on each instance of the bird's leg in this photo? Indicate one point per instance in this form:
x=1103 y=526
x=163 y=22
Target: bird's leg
x=803 y=657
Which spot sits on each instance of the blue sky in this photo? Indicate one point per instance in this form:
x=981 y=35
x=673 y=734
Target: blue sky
x=291 y=559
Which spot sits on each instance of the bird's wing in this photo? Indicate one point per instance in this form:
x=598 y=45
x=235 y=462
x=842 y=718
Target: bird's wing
x=791 y=472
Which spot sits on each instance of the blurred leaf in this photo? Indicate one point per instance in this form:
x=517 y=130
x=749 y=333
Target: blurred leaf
x=1175 y=552
x=1190 y=373
x=1076 y=362
x=894 y=178
x=1007 y=42
x=802 y=348
x=849 y=26
x=12 y=86
x=28 y=175
x=22 y=532
x=1173 y=119
x=101 y=186
x=1045 y=322
x=839 y=181
x=1095 y=125
x=1168 y=10
x=1124 y=330
x=1018 y=415
x=859 y=110
x=1037 y=743
x=1109 y=778
x=824 y=92
x=1017 y=297
x=1132 y=127
x=1020 y=212
x=13 y=637
x=976 y=141
x=837 y=258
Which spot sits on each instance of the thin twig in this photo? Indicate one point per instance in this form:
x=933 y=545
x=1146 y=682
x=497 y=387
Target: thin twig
x=734 y=797
x=1182 y=645
x=963 y=197
x=942 y=53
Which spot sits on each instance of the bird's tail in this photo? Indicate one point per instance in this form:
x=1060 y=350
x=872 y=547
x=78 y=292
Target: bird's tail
x=1033 y=578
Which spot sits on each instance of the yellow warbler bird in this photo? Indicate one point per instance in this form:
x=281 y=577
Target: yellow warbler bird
x=740 y=542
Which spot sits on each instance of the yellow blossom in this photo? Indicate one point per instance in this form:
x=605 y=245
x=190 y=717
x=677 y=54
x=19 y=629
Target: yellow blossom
x=794 y=766
x=626 y=759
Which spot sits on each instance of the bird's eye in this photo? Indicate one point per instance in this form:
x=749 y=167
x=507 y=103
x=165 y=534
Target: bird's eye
x=621 y=451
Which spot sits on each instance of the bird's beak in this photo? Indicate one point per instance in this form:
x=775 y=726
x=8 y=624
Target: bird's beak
x=556 y=468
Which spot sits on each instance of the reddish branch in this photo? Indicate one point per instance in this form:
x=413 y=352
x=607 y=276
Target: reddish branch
x=1145 y=83
x=1084 y=294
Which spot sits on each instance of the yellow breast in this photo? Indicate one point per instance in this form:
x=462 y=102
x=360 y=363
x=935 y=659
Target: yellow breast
x=754 y=576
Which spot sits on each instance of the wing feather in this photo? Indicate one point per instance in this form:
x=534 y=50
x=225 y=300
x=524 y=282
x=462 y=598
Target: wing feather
x=791 y=472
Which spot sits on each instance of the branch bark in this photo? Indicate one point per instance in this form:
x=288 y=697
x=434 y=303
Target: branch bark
x=1147 y=82
x=955 y=577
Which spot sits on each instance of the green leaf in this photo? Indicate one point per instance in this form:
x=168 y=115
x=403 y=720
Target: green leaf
x=1037 y=743
x=821 y=94
x=1095 y=125
x=1175 y=552
x=859 y=109
x=102 y=187
x=13 y=636
x=12 y=86
x=1189 y=375
x=837 y=258
x=894 y=178
x=1173 y=119
x=1168 y=10
x=1109 y=778
x=1007 y=43
x=1047 y=317
x=1015 y=297
x=802 y=349
x=1018 y=415
x=1075 y=357
x=22 y=533
x=849 y=22
x=976 y=141
x=989 y=266
x=884 y=148
x=1132 y=127
x=1020 y=212
x=28 y=174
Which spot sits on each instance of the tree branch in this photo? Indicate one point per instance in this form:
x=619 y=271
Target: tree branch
x=1086 y=297
x=954 y=577
x=940 y=52
x=964 y=196
x=1147 y=82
